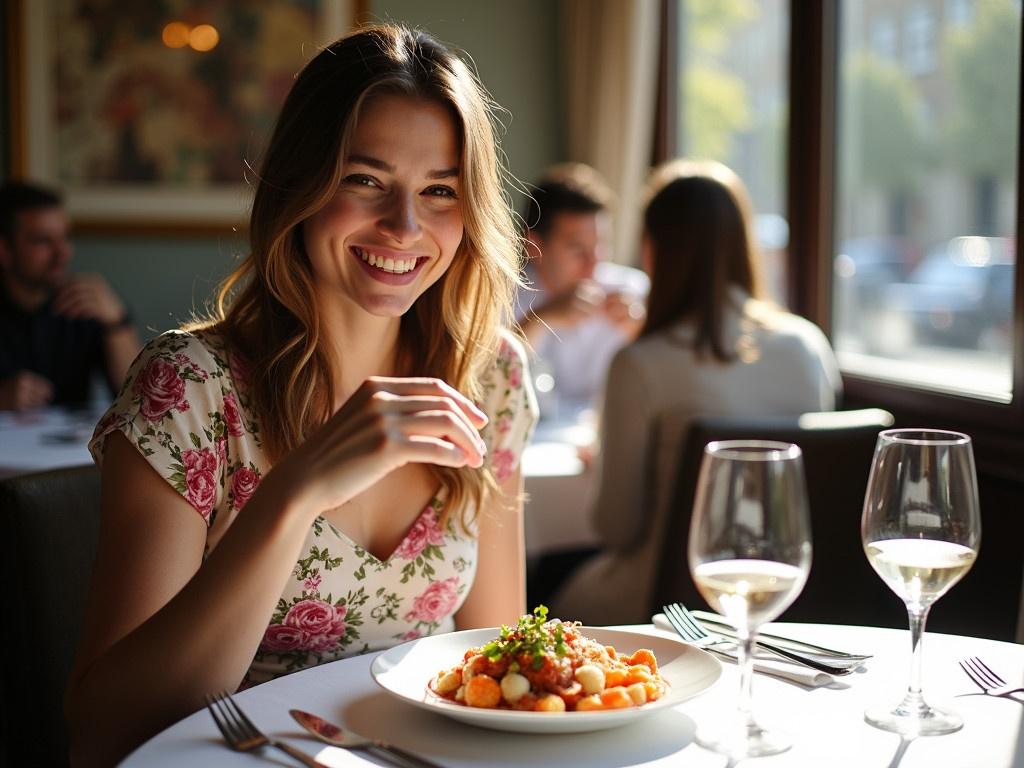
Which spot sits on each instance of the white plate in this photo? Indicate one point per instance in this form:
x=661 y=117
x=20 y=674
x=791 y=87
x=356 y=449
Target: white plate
x=405 y=670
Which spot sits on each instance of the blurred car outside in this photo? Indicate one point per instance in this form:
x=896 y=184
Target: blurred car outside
x=960 y=296
x=864 y=268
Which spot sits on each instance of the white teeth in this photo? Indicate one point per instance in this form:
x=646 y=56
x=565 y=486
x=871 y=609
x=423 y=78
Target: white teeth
x=389 y=264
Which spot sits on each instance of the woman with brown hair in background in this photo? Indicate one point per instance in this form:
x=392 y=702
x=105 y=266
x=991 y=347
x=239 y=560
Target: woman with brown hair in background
x=330 y=465
x=710 y=346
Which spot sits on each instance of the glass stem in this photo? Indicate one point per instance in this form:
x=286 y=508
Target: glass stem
x=914 y=701
x=745 y=654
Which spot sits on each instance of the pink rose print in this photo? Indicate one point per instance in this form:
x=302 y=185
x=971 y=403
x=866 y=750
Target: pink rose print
x=222 y=450
x=200 y=469
x=424 y=532
x=232 y=416
x=412 y=634
x=279 y=638
x=243 y=484
x=317 y=618
x=503 y=425
x=312 y=583
x=321 y=643
x=436 y=601
x=199 y=461
x=160 y=387
x=503 y=462
x=515 y=376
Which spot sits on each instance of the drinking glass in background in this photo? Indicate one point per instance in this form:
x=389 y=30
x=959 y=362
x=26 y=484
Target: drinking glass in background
x=749 y=554
x=921 y=530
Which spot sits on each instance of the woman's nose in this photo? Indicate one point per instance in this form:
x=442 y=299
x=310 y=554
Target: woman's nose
x=399 y=220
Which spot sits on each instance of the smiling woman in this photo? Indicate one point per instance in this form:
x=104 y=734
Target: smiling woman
x=394 y=226
x=330 y=464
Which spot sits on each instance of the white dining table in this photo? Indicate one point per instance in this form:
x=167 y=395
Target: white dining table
x=826 y=723
x=45 y=438
x=559 y=488
x=557 y=483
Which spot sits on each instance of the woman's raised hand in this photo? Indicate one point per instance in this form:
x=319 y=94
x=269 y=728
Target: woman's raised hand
x=387 y=423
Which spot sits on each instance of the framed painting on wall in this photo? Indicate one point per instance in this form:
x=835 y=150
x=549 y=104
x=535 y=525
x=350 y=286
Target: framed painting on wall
x=150 y=116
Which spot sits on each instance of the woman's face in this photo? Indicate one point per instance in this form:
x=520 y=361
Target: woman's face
x=395 y=222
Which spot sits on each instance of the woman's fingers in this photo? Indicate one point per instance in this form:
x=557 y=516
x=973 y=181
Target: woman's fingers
x=428 y=387
x=448 y=427
x=435 y=450
x=405 y=404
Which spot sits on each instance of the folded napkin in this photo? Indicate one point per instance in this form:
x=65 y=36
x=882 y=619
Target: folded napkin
x=764 y=661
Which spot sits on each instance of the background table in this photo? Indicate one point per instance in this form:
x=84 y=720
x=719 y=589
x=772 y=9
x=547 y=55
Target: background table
x=558 y=485
x=46 y=438
x=827 y=723
x=559 y=488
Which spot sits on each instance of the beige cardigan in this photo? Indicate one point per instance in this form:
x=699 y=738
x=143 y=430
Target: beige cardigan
x=785 y=367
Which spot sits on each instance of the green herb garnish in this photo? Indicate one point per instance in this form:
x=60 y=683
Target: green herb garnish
x=531 y=637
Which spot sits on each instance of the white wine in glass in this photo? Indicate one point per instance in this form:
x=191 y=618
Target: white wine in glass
x=749 y=554
x=921 y=530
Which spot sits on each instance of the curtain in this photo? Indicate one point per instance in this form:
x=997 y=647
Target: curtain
x=610 y=60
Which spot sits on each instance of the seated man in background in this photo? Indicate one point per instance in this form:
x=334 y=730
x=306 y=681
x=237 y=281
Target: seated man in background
x=580 y=309
x=56 y=329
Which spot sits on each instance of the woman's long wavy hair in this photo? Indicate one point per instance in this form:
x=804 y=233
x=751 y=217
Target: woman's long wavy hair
x=268 y=308
x=698 y=223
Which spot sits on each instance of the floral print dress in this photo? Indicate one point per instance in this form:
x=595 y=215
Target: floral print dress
x=184 y=407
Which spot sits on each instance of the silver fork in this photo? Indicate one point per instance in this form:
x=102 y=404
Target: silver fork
x=692 y=632
x=241 y=733
x=983 y=677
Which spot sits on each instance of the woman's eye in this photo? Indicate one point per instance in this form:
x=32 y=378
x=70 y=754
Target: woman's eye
x=360 y=180
x=441 y=190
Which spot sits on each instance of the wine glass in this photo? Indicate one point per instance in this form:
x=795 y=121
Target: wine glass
x=749 y=554
x=921 y=530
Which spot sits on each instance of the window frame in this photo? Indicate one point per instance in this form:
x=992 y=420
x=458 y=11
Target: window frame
x=811 y=166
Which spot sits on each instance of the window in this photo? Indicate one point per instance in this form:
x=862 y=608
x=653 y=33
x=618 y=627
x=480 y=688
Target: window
x=883 y=36
x=732 y=73
x=925 y=194
x=919 y=52
x=959 y=12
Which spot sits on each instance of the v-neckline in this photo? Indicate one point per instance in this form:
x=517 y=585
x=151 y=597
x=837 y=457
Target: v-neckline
x=362 y=550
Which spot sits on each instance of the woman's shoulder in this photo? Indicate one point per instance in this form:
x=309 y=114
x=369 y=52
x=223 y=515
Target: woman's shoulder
x=781 y=322
x=198 y=350
x=508 y=362
x=505 y=382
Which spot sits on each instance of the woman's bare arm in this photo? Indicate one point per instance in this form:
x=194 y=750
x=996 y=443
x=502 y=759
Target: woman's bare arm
x=160 y=631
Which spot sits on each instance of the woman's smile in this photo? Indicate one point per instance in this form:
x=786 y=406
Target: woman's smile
x=389 y=266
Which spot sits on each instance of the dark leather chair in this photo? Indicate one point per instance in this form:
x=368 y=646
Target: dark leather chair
x=51 y=528
x=837 y=448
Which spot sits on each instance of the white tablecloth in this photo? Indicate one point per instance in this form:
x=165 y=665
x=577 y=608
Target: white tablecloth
x=47 y=438
x=826 y=723
x=558 y=486
x=559 y=489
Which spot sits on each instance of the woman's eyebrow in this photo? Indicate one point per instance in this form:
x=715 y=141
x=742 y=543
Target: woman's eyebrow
x=380 y=165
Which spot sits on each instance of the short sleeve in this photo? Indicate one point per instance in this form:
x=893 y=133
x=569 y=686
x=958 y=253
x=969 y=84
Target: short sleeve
x=511 y=407
x=171 y=408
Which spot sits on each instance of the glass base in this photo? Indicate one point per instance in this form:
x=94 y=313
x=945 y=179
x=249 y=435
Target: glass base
x=910 y=719
x=744 y=741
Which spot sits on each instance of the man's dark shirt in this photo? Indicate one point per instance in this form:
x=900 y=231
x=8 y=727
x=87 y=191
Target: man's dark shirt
x=67 y=351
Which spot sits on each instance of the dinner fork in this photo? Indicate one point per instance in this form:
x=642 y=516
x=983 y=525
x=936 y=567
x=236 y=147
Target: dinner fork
x=241 y=733
x=983 y=677
x=691 y=631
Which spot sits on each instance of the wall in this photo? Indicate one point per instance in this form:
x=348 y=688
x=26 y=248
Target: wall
x=513 y=46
